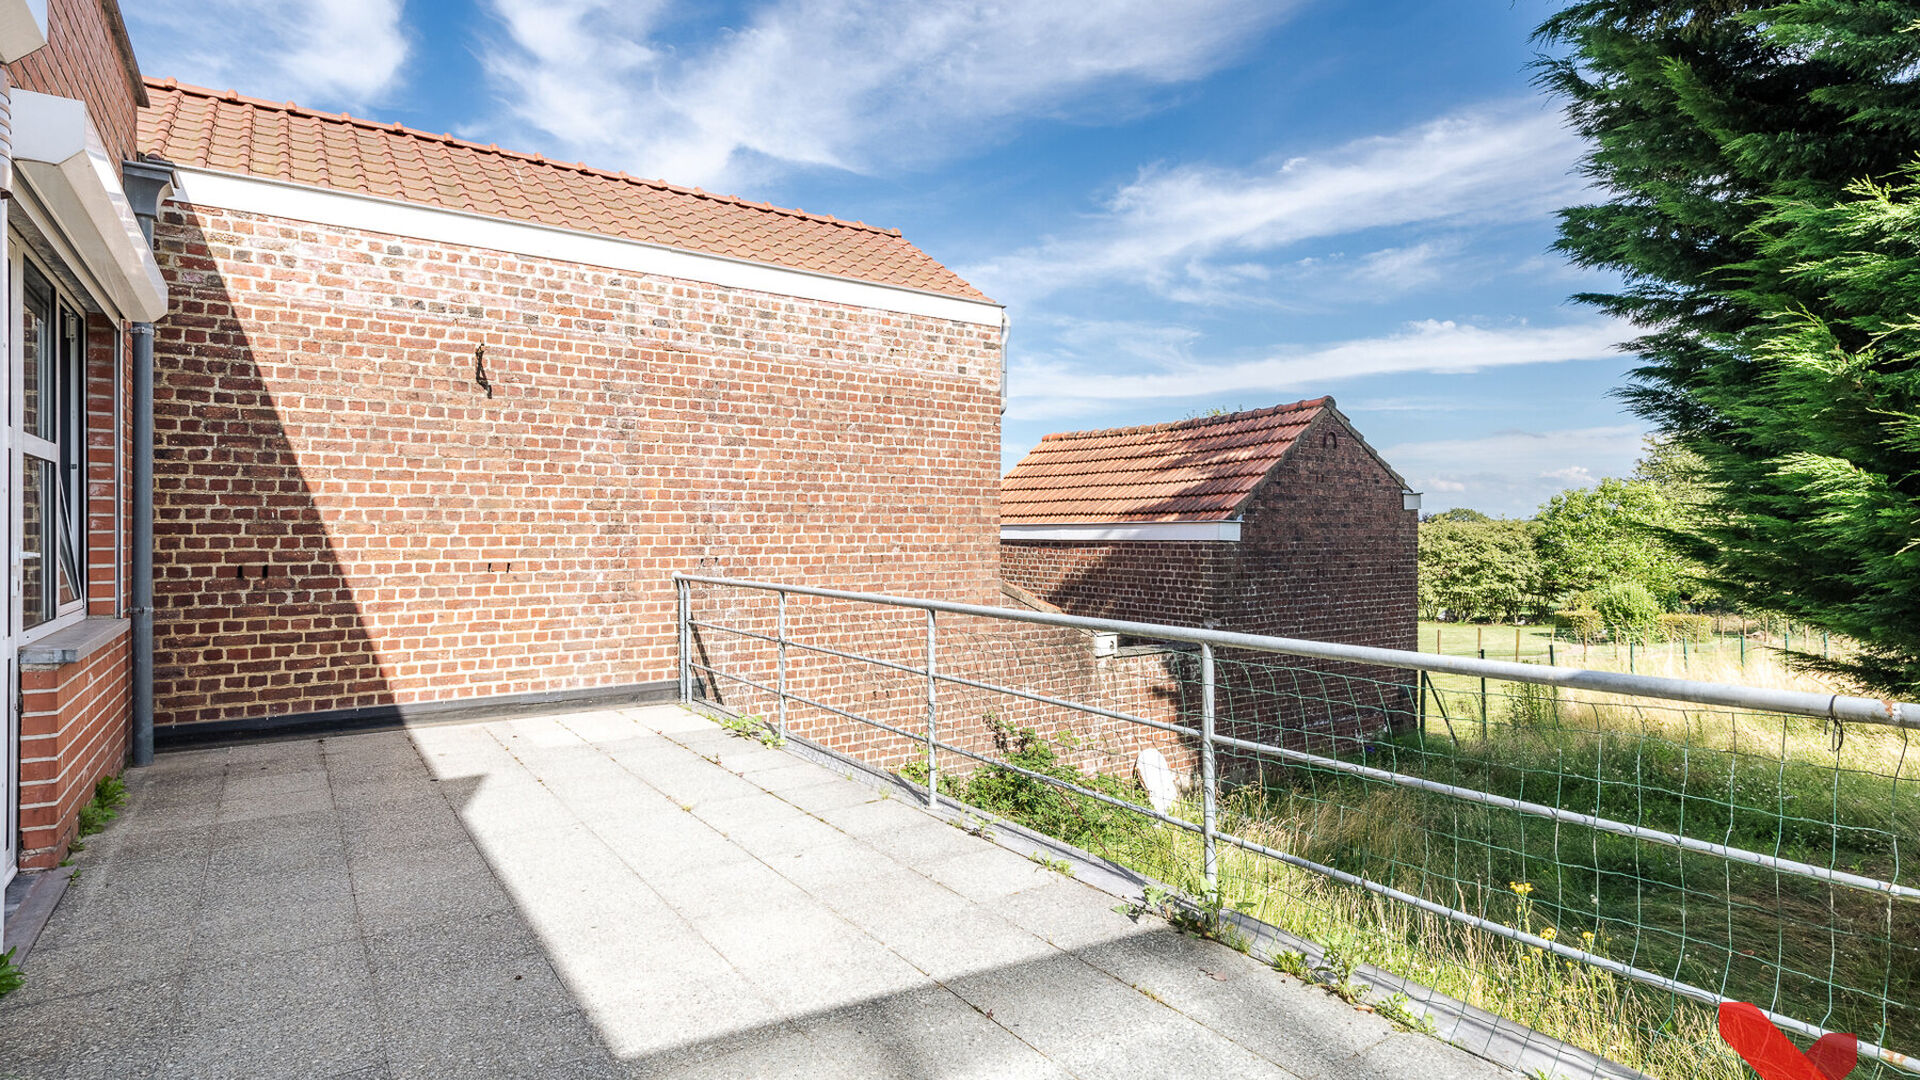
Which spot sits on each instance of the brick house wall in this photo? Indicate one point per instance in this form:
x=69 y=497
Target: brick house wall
x=86 y=57
x=347 y=519
x=73 y=731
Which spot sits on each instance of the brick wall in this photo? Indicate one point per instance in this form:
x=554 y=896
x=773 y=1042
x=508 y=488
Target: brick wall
x=82 y=60
x=73 y=730
x=1327 y=552
x=109 y=382
x=346 y=518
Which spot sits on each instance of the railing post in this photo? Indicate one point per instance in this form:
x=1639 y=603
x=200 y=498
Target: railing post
x=1209 y=782
x=780 y=637
x=683 y=614
x=933 y=766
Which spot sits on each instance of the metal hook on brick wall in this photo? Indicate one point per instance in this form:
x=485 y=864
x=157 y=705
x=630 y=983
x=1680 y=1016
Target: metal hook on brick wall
x=480 y=369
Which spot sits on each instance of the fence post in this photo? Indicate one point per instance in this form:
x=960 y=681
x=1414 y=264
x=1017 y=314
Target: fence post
x=1483 y=701
x=1209 y=781
x=933 y=767
x=780 y=636
x=1551 y=662
x=682 y=615
x=1421 y=714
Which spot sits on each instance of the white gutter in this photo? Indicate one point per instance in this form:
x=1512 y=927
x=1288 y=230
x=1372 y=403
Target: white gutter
x=396 y=217
x=1227 y=532
x=59 y=153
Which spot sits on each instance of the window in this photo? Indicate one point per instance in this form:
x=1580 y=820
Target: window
x=52 y=441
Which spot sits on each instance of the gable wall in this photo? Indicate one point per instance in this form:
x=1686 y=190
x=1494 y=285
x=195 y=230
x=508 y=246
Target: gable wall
x=346 y=519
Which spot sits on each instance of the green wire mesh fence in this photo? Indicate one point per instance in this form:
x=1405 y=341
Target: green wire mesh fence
x=1594 y=858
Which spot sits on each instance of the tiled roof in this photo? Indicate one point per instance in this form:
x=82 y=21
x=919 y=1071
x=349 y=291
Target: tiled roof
x=223 y=131
x=1195 y=470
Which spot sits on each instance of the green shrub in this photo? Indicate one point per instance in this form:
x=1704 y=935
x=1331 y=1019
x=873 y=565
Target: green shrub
x=1694 y=628
x=1080 y=821
x=1628 y=610
x=1580 y=623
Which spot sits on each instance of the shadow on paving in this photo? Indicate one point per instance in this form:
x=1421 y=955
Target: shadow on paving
x=624 y=894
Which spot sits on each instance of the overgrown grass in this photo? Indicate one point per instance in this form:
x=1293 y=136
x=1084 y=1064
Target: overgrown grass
x=1835 y=956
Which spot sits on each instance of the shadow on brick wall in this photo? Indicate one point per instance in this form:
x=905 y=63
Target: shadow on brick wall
x=255 y=615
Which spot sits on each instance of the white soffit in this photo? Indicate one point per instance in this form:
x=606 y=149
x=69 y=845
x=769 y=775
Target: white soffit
x=395 y=217
x=57 y=150
x=1220 y=531
x=23 y=28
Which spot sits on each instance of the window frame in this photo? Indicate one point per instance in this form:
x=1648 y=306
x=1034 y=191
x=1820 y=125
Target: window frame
x=64 y=531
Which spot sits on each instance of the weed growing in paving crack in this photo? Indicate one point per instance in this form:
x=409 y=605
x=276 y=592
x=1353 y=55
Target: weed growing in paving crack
x=1397 y=1008
x=1207 y=918
x=10 y=977
x=108 y=796
x=753 y=727
x=1058 y=866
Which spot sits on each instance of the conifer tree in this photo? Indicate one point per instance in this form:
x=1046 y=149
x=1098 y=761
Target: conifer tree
x=1757 y=164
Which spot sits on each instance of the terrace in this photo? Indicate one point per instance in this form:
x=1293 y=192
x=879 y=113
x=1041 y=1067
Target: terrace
x=887 y=836
x=621 y=893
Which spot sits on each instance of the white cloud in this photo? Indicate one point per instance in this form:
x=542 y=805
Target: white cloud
x=1398 y=269
x=1501 y=163
x=334 y=53
x=847 y=84
x=1511 y=473
x=1571 y=476
x=1052 y=386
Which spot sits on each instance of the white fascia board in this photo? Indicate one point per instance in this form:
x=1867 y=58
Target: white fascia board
x=23 y=28
x=1227 y=532
x=58 y=151
x=395 y=217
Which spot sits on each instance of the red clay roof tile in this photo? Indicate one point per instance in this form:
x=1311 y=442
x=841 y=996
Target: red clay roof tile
x=225 y=132
x=1195 y=470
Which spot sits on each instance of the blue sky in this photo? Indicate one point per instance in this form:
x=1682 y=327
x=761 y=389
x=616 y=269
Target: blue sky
x=1185 y=206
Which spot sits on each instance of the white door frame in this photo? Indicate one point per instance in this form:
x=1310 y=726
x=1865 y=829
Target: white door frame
x=10 y=632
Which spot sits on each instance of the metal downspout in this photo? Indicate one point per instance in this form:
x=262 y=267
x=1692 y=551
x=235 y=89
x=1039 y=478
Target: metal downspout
x=140 y=605
x=147 y=184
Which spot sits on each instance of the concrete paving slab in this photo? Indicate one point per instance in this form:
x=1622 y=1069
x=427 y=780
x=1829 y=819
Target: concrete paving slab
x=929 y=1033
x=323 y=1018
x=106 y=1034
x=989 y=873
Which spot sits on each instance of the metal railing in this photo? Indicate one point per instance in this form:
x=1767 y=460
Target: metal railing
x=933 y=670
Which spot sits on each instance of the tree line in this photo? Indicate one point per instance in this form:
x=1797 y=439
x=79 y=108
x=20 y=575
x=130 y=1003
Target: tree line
x=1610 y=559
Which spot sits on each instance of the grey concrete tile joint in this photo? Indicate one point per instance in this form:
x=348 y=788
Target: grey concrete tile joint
x=588 y=895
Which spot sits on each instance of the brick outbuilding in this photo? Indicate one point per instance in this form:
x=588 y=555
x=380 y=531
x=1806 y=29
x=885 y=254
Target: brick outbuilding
x=1279 y=521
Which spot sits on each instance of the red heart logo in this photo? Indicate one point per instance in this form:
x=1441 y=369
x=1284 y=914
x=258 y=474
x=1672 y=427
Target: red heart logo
x=1774 y=1056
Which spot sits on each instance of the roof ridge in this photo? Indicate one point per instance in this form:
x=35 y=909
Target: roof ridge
x=1323 y=401
x=447 y=138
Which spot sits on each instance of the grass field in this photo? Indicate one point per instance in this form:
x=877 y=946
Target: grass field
x=1845 y=959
